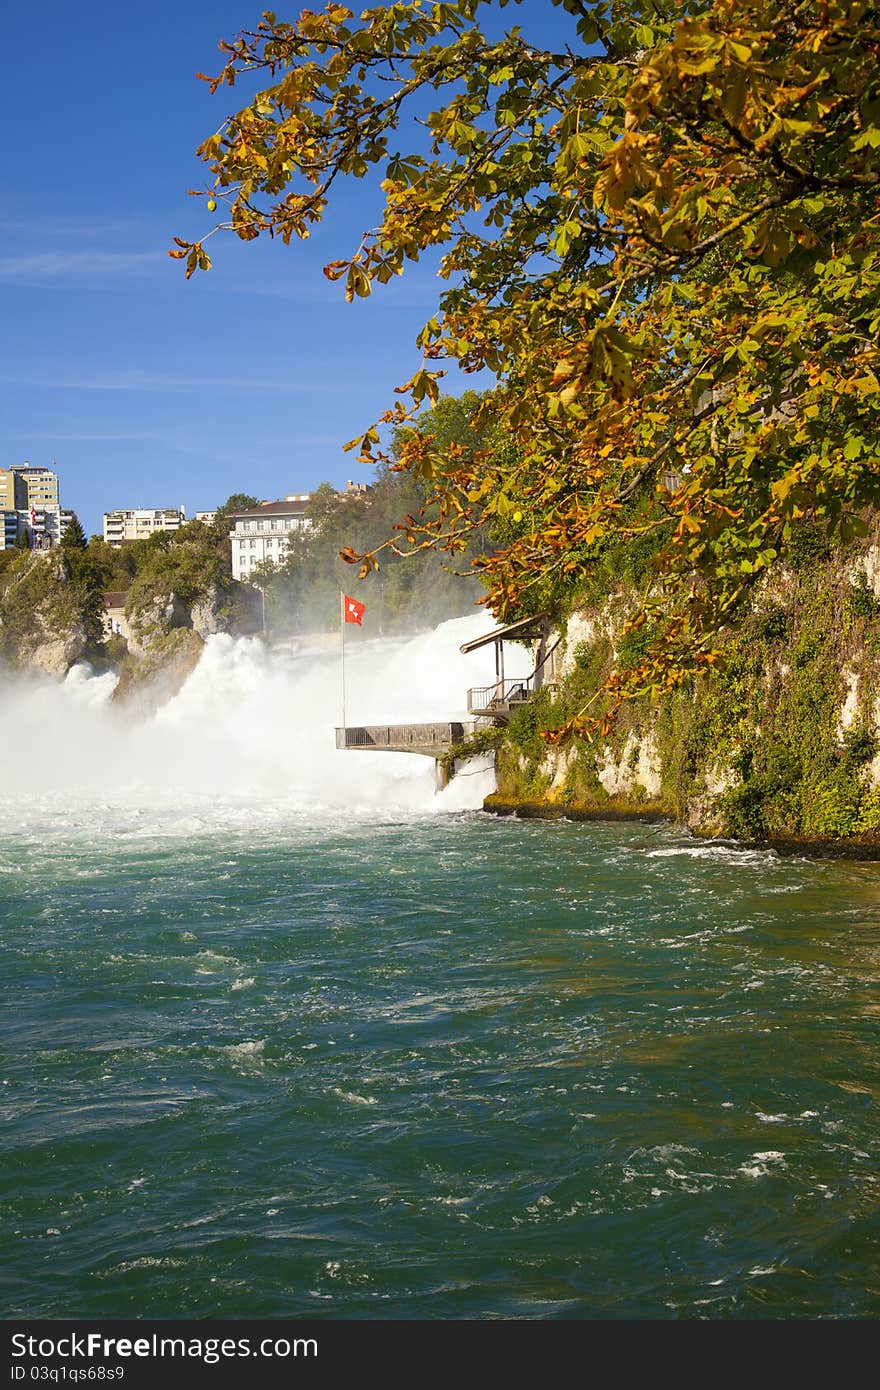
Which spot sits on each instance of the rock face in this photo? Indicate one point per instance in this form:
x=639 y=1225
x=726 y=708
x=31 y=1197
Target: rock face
x=49 y=622
x=210 y=614
x=780 y=746
x=163 y=649
x=167 y=634
x=42 y=623
x=232 y=607
x=156 y=675
x=56 y=655
x=156 y=619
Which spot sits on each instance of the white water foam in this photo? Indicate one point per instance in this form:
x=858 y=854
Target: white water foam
x=248 y=739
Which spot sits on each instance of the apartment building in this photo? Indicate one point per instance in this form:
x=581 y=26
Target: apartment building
x=35 y=487
x=30 y=507
x=10 y=490
x=140 y=523
x=263 y=532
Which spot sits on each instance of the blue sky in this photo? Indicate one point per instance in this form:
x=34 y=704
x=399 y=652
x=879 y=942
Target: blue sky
x=143 y=389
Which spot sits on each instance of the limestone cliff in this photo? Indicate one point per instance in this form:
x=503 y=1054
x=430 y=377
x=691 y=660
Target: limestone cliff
x=43 y=615
x=51 y=612
x=156 y=671
x=166 y=633
x=782 y=745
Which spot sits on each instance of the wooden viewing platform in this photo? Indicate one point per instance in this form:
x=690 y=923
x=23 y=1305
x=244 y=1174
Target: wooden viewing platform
x=492 y=704
x=432 y=740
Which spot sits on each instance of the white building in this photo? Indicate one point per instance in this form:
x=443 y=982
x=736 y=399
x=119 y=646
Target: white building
x=206 y=518
x=42 y=527
x=263 y=533
x=141 y=523
x=114 y=621
x=46 y=525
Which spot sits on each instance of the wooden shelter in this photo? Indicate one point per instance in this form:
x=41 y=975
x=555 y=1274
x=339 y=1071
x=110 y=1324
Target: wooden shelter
x=497 y=702
x=493 y=704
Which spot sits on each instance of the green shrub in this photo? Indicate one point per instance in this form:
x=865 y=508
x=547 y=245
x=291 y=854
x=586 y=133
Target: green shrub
x=869 y=812
x=807 y=648
x=808 y=545
x=859 y=747
x=773 y=624
x=860 y=601
x=115 y=649
x=523 y=728
x=831 y=808
x=743 y=811
x=633 y=646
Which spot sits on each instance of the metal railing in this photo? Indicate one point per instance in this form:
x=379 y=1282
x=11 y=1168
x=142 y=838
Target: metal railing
x=501 y=696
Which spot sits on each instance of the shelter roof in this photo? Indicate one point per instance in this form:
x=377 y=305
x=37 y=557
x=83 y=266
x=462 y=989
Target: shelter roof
x=524 y=630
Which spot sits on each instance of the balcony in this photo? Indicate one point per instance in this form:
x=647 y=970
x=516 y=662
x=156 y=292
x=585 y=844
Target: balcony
x=501 y=700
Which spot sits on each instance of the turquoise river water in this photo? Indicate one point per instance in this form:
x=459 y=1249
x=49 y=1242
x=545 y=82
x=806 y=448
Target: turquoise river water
x=379 y=1063
x=422 y=1068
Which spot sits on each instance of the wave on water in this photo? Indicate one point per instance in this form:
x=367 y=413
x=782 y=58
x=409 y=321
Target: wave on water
x=247 y=742
x=722 y=853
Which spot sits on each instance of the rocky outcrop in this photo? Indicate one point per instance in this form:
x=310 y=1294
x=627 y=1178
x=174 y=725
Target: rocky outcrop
x=55 y=654
x=54 y=611
x=149 y=679
x=166 y=634
x=230 y=607
x=163 y=648
x=154 y=620
x=781 y=746
x=42 y=617
x=210 y=614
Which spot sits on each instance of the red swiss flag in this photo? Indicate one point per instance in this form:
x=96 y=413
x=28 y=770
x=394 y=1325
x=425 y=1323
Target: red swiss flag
x=353 y=610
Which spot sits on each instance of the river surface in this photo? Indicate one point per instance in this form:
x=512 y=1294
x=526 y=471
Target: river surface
x=283 y=1033
x=368 y=1063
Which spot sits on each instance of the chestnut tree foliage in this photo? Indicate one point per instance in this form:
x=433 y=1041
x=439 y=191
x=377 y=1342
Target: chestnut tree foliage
x=660 y=234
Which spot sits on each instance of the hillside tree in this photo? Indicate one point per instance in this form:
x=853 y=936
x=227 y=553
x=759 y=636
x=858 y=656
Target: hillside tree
x=658 y=233
x=74 y=537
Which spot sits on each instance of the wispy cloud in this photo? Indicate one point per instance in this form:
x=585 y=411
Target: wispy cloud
x=174 y=443
x=414 y=289
x=84 y=436
x=77 y=265
x=137 y=379
x=67 y=229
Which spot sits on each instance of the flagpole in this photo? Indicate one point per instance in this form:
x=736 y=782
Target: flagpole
x=342 y=646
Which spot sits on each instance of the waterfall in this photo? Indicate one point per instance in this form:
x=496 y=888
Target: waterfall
x=249 y=735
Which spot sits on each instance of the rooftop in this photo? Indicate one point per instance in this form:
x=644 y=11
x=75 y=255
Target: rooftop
x=291 y=506
x=524 y=630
